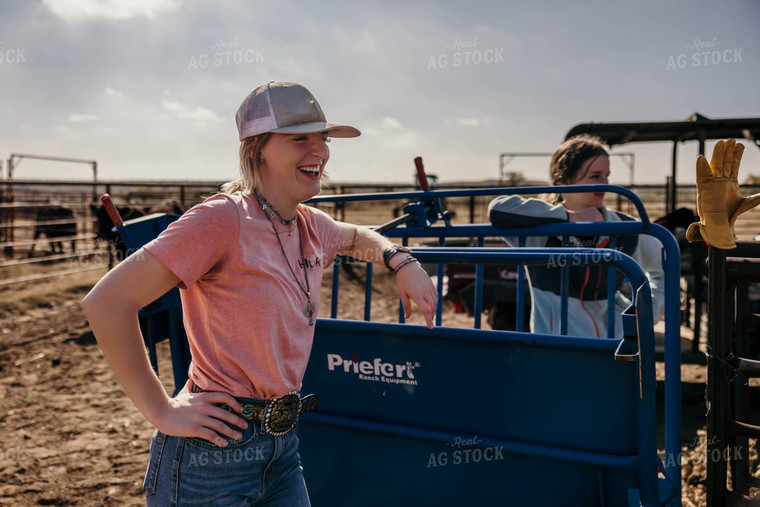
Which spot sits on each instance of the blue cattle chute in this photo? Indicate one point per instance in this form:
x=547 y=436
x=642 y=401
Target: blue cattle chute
x=671 y=264
x=479 y=420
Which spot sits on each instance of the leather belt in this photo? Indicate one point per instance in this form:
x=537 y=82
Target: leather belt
x=278 y=415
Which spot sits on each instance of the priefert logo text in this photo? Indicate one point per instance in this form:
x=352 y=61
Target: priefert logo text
x=375 y=370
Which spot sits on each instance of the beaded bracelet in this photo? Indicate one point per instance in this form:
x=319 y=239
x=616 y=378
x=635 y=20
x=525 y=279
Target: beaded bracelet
x=403 y=263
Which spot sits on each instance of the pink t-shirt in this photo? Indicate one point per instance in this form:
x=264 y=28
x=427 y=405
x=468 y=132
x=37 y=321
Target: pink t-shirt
x=243 y=310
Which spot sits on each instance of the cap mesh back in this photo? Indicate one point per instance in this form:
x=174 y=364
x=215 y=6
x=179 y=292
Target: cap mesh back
x=255 y=114
x=257 y=106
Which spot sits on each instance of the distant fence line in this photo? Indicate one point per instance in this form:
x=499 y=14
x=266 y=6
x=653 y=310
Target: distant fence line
x=181 y=187
x=23 y=226
x=19 y=198
x=48 y=228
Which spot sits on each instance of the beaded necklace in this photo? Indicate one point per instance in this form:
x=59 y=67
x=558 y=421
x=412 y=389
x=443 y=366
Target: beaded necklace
x=308 y=310
x=274 y=212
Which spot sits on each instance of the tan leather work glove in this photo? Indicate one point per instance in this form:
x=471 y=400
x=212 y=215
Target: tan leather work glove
x=718 y=199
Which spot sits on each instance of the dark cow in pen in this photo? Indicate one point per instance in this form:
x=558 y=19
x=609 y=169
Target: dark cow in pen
x=57 y=224
x=130 y=212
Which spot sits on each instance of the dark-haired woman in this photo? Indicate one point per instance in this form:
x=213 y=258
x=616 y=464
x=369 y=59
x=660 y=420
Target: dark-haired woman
x=581 y=160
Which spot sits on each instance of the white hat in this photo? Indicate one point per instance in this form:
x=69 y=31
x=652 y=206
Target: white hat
x=285 y=108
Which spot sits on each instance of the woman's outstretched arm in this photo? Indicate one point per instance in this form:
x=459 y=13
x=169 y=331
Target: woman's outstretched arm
x=413 y=282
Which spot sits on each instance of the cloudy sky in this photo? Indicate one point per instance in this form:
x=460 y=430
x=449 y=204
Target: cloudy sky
x=149 y=88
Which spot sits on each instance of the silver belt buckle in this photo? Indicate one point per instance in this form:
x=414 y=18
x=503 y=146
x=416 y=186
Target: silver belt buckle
x=282 y=414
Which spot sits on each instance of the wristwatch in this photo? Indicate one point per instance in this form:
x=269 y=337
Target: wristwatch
x=390 y=251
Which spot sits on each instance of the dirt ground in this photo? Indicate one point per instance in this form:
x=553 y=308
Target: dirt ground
x=70 y=436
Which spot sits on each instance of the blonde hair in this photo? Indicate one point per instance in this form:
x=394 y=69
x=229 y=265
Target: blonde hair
x=250 y=160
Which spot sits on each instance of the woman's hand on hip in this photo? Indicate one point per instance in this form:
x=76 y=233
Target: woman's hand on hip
x=197 y=415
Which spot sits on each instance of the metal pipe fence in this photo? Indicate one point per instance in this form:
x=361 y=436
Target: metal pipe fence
x=733 y=331
x=50 y=228
x=21 y=200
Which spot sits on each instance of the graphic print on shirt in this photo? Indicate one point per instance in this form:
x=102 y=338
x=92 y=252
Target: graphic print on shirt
x=310 y=264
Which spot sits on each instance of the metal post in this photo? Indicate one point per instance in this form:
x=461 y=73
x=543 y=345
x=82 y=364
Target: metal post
x=94 y=180
x=520 y=302
x=673 y=186
x=701 y=138
x=699 y=293
x=698 y=285
x=718 y=388
x=478 y=299
x=335 y=283
x=668 y=186
x=368 y=292
x=740 y=474
x=9 y=212
x=564 y=291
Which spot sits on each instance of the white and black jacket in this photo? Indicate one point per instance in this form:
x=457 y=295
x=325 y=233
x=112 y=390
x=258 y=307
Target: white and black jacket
x=587 y=294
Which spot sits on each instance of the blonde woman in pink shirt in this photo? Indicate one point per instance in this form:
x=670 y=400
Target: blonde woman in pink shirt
x=249 y=262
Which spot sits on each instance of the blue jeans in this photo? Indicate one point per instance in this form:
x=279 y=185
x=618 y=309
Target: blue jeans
x=260 y=469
